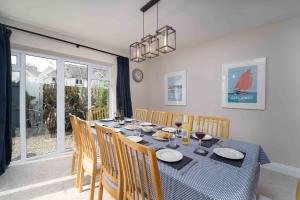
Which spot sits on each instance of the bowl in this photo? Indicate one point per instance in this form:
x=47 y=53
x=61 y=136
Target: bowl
x=147 y=129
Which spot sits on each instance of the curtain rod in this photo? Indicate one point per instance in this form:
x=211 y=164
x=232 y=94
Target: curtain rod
x=61 y=40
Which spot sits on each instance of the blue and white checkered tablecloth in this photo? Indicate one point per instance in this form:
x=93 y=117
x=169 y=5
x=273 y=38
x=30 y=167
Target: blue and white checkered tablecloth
x=209 y=179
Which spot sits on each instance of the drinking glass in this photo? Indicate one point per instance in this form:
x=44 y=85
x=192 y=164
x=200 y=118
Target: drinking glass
x=200 y=135
x=172 y=141
x=178 y=124
x=185 y=136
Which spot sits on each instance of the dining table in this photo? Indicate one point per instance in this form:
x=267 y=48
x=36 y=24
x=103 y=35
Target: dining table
x=205 y=177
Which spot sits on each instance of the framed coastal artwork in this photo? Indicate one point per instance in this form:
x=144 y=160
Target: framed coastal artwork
x=175 y=88
x=243 y=84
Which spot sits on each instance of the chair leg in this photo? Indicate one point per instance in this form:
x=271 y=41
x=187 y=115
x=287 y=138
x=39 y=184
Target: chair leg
x=100 y=194
x=78 y=171
x=81 y=176
x=93 y=181
x=73 y=164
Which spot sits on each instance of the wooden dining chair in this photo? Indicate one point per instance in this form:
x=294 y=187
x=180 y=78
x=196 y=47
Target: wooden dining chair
x=159 y=117
x=96 y=113
x=111 y=177
x=91 y=163
x=173 y=116
x=77 y=148
x=190 y=124
x=298 y=190
x=138 y=181
x=141 y=114
x=218 y=127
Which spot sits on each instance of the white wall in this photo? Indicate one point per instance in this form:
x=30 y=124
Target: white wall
x=277 y=128
x=33 y=43
x=138 y=90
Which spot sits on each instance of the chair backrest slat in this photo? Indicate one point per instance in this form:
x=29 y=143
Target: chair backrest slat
x=88 y=143
x=96 y=113
x=107 y=139
x=215 y=126
x=137 y=183
x=141 y=114
x=173 y=116
x=159 y=117
x=76 y=132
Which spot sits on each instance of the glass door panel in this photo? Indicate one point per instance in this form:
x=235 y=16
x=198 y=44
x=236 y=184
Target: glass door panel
x=100 y=94
x=16 y=141
x=76 y=96
x=40 y=105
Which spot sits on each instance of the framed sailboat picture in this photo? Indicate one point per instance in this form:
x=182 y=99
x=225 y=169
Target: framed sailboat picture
x=243 y=84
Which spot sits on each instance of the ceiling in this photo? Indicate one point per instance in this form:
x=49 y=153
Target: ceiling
x=118 y=23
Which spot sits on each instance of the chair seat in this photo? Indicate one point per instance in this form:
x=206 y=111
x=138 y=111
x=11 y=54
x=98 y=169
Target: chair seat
x=88 y=164
x=110 y=182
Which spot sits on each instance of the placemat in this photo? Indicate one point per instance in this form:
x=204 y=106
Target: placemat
x=168 y=145
x=236 y=163
x=209 y=143
x=144 y=142
x=177 y=165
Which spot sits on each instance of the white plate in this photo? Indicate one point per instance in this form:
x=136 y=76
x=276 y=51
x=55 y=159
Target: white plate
x=229 y=153
x=107 y=119
x=169 y=129
x=129 y=120
x=117 y=130
x=169 y=155
x=131 y=127
x=135 y=138
x=206 y=137
x=159 y=138
x=146 y=124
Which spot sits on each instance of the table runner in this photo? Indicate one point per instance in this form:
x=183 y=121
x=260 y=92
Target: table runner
x=209 y=179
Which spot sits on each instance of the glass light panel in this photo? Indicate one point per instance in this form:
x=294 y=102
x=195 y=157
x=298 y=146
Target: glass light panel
x=136 y=52
x=150 y=48
x=167 y=39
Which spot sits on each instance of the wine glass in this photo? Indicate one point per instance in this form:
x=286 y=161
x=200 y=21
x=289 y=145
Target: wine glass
x=178 y=124
x=200 y=136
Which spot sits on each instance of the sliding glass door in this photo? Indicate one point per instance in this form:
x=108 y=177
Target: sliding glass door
x=46 y=90
x=76 y=96
x=40 y=105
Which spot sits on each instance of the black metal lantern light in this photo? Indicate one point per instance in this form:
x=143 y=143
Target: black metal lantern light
x=150 y=48
x=163 y=41
x=136 y=52
x=167 y=39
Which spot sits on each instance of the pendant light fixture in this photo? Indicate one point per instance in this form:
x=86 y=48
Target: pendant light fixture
x=164 y=40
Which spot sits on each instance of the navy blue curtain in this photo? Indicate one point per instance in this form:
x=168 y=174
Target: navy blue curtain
x=123 y=87
x=5 y=99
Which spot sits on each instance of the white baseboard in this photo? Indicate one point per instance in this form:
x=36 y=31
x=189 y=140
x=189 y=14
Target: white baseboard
x=283 y=169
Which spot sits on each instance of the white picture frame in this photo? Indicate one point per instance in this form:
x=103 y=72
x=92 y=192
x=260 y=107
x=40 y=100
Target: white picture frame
x=175 y=88
x=244 y=84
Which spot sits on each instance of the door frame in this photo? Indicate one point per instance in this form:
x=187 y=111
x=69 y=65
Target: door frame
x=60 y=99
